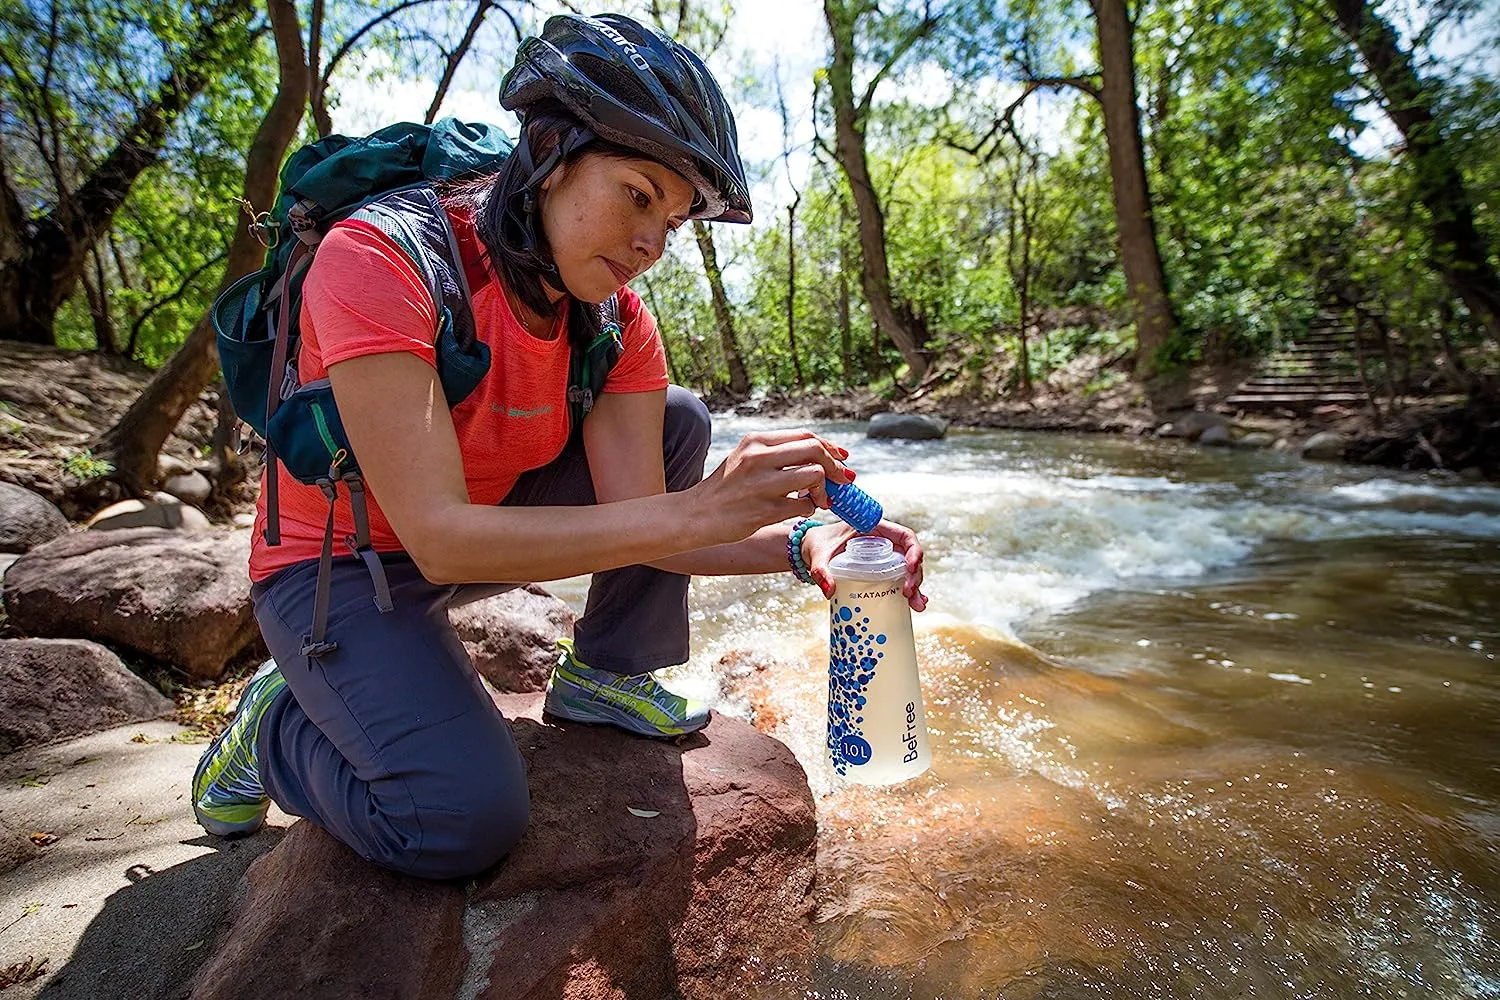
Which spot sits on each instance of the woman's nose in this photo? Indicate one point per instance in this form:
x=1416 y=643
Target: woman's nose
x=650 y=242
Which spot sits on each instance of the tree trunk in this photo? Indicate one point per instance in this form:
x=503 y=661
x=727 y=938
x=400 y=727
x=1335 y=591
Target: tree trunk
x=1139 y=258
x=135 y=441
x=317 y=86
x=43 y=258
x=97 y=292
x=1459 y=253
x=893 y=319
x=791 y=289
x=739 y=379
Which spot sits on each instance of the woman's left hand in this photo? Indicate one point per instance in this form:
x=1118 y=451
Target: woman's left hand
x=821 y=544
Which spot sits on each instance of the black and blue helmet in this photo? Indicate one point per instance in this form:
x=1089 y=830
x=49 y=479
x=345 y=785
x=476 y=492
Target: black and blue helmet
x=634 y=87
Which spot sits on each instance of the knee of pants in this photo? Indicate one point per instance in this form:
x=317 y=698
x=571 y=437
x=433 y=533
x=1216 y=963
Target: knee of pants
x=467 y=837
x=686 y=432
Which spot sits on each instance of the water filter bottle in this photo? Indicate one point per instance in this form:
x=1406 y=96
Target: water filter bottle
x=877 y=731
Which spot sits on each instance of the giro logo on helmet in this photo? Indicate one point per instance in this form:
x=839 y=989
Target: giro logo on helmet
x=626 y=46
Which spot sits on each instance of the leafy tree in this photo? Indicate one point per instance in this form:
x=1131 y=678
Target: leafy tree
x=887 y=38
x=1459 y=251
x=76 y=136
x=133 y=443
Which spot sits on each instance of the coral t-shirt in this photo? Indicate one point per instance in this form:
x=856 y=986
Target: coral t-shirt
x=362 y=296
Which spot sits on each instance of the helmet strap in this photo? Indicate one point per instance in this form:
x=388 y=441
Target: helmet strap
x=521 y=208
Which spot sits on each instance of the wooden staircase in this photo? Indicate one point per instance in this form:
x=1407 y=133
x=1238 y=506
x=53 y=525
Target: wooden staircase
x=1320 y=368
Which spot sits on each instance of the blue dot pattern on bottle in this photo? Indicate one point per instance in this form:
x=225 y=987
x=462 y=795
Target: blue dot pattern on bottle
x=856 y=507
x=852 y=659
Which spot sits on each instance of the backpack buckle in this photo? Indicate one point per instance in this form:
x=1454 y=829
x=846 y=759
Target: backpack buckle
x=584 y=397
x=330 y=489
x=313 y=650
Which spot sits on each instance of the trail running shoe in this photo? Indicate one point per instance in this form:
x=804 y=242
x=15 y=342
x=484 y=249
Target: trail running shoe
x=228 y=798
x=633 y=702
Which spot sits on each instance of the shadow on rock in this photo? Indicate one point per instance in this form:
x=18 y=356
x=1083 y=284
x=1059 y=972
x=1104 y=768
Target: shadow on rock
x=152 y=935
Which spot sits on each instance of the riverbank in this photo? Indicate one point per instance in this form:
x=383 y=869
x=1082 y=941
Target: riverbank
x=1427 y=433
x=53 y=403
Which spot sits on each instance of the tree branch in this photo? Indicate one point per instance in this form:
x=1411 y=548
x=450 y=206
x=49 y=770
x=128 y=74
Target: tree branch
x=364 y=29
x=316 y=91
x=929 y=21
x=182 y=289
x=1005 y=121
x=450 y=66
x=97 y=199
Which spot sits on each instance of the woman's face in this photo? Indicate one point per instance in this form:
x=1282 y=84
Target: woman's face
x=607 y=220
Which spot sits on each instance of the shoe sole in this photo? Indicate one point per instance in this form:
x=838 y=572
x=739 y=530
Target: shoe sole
x=562 y=707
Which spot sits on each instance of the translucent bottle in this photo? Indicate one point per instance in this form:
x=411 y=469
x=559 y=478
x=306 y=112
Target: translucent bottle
x=877 y=731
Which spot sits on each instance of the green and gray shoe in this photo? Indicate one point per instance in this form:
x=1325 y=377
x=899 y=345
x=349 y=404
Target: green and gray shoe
x=228 y=797
x=633 y=702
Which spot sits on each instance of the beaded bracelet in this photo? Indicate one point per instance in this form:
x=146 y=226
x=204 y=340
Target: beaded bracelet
x=794 y=549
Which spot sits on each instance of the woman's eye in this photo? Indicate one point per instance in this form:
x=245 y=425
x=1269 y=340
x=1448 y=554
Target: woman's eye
x=640 y=198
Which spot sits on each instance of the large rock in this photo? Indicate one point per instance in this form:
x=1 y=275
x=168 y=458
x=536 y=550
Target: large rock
x=52 y=688
x=911 y=426
x=182 y=598
x=1191 y=426
x=168 y=466
x=1256 y=439
x=161 y=511
x=512 y=638
x=1217 y=436
x=1324 y=446
x=650 y=870
x=193 y=487
x=27 y=520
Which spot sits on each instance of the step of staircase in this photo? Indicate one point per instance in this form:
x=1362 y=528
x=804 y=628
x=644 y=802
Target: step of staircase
x=1294 y=400
x=1301 y=385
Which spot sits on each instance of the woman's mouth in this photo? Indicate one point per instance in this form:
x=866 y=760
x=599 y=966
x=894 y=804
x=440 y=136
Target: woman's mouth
x=622 y=274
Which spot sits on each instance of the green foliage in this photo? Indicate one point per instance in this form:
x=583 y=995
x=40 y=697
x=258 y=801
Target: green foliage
x=1267 y=192
x=68 y=95
x=84 y=466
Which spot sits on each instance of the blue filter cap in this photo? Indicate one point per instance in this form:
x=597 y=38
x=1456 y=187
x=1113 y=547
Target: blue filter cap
x=857 y=508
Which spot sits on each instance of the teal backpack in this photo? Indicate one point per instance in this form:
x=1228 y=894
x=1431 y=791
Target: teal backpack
x=385 y=179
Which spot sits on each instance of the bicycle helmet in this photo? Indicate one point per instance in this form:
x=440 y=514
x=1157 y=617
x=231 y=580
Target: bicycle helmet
x=634 y=87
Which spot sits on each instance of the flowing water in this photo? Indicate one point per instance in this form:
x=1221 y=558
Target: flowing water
x=1204 y=724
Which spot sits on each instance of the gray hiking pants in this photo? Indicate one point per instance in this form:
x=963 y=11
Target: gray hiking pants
x=390 y=742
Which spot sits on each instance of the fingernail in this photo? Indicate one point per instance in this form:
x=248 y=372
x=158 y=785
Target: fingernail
x=850 y=472
x=843 y=453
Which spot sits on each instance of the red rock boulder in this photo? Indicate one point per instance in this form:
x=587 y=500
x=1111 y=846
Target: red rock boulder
x=650 y=869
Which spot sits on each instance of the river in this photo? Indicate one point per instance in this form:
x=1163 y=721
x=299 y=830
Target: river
x=1205 y=723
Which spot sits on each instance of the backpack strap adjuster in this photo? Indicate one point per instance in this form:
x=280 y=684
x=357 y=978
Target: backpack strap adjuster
x=581 y=397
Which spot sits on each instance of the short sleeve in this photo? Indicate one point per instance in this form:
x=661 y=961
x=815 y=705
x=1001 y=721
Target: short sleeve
x=363 y=296
x=643 y=365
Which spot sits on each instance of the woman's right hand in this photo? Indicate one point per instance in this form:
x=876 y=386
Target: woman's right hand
x=768 y=477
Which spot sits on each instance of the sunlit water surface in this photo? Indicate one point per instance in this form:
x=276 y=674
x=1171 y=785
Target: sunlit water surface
x=1204 y=724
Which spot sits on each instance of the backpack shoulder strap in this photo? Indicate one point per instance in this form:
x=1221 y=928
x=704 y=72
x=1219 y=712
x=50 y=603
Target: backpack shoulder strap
x=413 y=218
x=589 y=366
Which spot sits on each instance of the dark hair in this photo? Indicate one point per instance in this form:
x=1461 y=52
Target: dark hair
x=527 y=270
